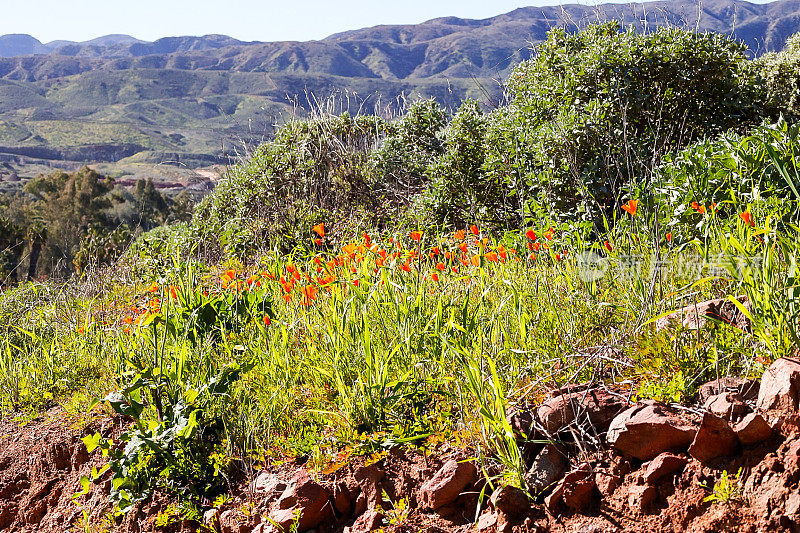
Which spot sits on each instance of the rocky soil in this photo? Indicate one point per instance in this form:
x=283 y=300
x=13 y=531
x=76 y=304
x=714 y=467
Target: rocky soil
x=597 y=463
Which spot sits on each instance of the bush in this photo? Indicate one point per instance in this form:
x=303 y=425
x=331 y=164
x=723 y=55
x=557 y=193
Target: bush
x=314 y=170
x=781 y=72
x=591 y=112
x=733 y=169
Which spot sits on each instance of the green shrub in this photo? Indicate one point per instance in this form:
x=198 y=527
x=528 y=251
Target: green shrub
x=588 y=114
x=413 y=143
x=314 y=170
x=781 y=72
x=731 y=171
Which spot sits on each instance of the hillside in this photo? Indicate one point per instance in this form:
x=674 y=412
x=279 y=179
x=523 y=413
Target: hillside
x=197 y=99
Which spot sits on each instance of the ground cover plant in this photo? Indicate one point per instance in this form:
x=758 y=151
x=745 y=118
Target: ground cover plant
x=360 y=284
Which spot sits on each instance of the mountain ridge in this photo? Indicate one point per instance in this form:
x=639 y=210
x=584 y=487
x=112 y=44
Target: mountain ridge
x=200 y=94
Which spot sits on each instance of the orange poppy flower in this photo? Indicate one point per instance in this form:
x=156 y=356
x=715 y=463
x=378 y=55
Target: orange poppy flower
x=173 y=292
x=459 y=234
x=416 y=236
x=475 y=260
x=309 y=292
x=669 y=236
x=267 y=321
x=355 y=282
x=319 y=229
x=492 y=256
x=748 y=218
x=631 y=207
x=463 y=247
x=549 y=234
x=153 y=287
x=474 y=229
x=405 y=267
x=318 y=242
x=435 y=250
x=127 y=320
x=531 y=234
x=440 y=266
x=699 y=208
x=435 y=276
x=607 y=245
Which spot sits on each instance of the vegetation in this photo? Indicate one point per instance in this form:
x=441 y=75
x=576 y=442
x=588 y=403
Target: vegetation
x=361 y=283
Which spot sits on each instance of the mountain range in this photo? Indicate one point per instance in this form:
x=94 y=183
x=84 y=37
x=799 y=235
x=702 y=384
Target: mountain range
x=196 y=98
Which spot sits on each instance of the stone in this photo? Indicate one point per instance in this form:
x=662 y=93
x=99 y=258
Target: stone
x=780 y=386
x=305 y=497
x=597 y=406
x=715 y=438
x=640 y=497
x=547 y=468
x=607 y=482
x=752 y=429
x=342 y=501
x=727 y=405
x=747 y=388
x=696 y=316
x=447 y=484
x=487 y=520
x=211 y=519
x=268 y=486
x=521 y=422
x=368 y=521
x=510 y=501
x=648 y=429
x=662 y=466
x=575 y=491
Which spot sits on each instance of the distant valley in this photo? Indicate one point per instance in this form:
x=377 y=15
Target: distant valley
x=169 y=107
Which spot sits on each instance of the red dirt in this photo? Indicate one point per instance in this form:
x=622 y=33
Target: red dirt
x=41 y=464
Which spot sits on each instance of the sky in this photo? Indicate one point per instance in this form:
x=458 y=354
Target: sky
x=248 y=20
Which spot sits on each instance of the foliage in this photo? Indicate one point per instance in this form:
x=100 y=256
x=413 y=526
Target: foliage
x=181 y=450
x=591 y=112
x=781 y=73
x=312 y=170
x=726 y=490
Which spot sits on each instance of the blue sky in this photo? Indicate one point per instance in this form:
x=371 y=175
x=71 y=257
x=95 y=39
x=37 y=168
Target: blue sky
x=264 y=20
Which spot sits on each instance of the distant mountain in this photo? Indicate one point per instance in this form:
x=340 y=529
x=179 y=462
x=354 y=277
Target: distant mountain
x=20 y=44
x=194 y=95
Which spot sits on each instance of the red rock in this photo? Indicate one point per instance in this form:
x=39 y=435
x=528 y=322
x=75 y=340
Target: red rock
x=369 y=521
x=598 y=406
x=640 y=497
x=747 y=388
x=752 y=429
x=780 y=386
x=269 y=486
x=447 y=484
x=305 y=496
x=727 y=405
x=664 y=465
x=510 y=501
x=607 y=482
x=522 y=422
x=696 y=316
x=648 y=429
x=211 y=519
x=575 y=491
x=487 y=520
x=341 y=499
x=715 y=438
x=547 y=468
